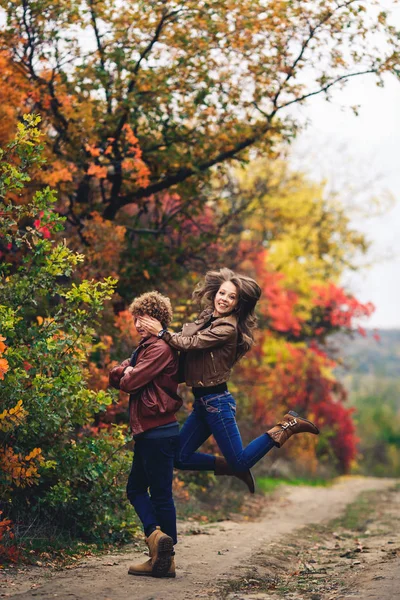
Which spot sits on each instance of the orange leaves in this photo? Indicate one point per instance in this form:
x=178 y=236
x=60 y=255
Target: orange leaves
x=13 y=93
x=92 y=150
x=133 y=163
x=59 y=172
x=20 y=471
x=3 y=367
x=132 y=140
x=97 y=171
x=17 y=469
x=106 y=242
x=124 y=322
x=3 y=361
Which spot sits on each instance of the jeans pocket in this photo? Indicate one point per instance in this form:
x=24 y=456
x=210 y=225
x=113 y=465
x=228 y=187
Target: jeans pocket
x=212 y=405
x=233 y=407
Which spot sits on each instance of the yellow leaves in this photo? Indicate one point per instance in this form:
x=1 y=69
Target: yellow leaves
x=16 y=469
x=9 y=419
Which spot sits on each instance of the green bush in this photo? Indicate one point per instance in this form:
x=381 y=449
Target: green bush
x=47 y=322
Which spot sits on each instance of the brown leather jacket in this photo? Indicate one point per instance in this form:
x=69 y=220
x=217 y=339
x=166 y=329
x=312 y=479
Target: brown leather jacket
x=209 y=354
x=152 y=385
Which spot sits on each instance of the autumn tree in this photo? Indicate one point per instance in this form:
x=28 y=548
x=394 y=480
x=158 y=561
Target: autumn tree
x=296 y=239
x=145 y=98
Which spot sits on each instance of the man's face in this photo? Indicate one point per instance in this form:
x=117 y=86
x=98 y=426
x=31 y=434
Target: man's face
x=139 y=327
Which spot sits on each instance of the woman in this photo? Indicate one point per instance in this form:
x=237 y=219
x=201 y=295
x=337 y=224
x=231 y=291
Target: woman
x=222 y=334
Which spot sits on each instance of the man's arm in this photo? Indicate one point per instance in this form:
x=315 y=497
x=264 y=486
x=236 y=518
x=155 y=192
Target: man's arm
x=117 y=372
x=153 y=360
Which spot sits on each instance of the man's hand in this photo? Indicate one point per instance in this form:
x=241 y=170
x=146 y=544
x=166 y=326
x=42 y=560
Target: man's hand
x=128 y=370
x=151 y=325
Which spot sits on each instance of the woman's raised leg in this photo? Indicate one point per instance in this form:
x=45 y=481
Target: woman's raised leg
x=193 y=434
x=222 y=423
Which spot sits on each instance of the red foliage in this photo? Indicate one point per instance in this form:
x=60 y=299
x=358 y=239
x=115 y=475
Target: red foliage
x=43 y=229
x=297 y=381
x=340 y=309
x=9 y=551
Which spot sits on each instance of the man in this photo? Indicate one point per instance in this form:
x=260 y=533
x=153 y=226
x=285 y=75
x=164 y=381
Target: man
x=150 y=376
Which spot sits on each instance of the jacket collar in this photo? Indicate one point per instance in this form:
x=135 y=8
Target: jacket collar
x=232 y=319
x=148 y=341
x=206 y=314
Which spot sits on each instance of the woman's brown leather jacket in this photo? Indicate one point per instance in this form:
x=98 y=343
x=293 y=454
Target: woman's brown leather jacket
x=209 y=353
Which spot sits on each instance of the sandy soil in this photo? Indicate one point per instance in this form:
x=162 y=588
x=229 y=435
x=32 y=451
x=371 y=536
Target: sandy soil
x=209 y=554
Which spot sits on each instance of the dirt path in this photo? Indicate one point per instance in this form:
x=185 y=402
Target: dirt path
x=220 y=552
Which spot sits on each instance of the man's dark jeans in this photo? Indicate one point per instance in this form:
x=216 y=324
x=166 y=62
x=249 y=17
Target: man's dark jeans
x=215 y=415
x=152 y=470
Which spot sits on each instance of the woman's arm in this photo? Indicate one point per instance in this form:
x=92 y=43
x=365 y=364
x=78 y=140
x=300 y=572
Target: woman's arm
x=211 y=337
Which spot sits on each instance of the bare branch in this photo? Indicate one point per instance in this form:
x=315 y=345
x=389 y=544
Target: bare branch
x=326 y=87
x=100 y=49
x=313 y=30
x=184 y=174
x=165 y=18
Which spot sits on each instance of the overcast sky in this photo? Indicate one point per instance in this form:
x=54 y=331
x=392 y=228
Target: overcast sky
x=363 y=151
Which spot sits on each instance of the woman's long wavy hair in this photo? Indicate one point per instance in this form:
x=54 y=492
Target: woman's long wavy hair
x=249 y=293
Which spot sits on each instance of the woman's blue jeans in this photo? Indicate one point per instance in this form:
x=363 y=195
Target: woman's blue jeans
x=215 y=415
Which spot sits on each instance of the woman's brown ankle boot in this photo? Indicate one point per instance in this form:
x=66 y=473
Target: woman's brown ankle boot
x=223 y=468
x=291 y=424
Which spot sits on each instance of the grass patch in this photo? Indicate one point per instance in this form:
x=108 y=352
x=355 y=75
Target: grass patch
x=358 y=515
x=270 y=484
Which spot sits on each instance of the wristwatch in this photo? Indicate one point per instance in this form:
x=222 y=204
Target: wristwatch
x=161 y=333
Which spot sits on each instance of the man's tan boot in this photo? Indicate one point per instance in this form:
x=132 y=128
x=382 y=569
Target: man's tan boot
x=223 y=468
x=291 y=424
x=161 y=562
x=171 y=571
x=161 y=547
x=145 y=568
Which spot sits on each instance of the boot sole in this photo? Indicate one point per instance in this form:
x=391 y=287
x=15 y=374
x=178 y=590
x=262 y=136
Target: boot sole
x=138 y=574
x=295 y=414
x=162 y=562
x=252 y=486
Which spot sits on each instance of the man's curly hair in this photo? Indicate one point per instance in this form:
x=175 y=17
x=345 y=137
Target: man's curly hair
x=155 y=305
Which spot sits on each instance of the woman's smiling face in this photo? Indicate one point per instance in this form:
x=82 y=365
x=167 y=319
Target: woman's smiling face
x=226 y=299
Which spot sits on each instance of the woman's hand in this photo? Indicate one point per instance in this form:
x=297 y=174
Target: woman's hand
x=151 y=325
x=128 y=370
